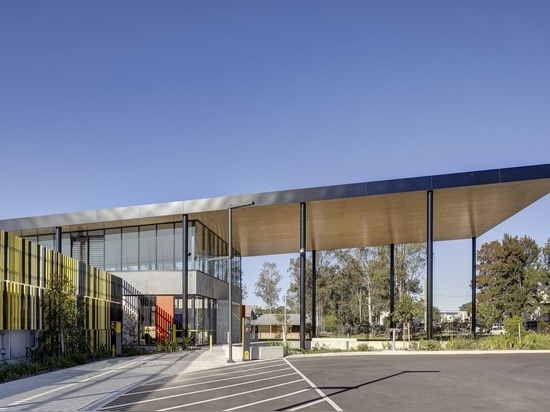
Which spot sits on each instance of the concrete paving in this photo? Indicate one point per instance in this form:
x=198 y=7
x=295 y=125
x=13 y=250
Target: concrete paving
x=86 y=387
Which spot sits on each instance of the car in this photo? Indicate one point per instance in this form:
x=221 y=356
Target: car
x=497 y=329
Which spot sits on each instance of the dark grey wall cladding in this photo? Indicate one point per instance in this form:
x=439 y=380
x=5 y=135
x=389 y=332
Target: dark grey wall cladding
x=514 y=174
x=399 y=185
x=276 y=198
x=465 y=179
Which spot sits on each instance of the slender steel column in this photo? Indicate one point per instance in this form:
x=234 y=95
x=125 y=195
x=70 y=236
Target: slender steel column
x=58 y=242
x=230 y=289
x=313 y=293
x=392 y=284
x=185 y=274
x=474 y=288
x=303 y=276
x=429 y=284
x=230 y=280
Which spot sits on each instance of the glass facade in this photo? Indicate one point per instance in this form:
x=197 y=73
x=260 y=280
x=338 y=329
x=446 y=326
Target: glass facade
x=149 y=248
x=202 y=319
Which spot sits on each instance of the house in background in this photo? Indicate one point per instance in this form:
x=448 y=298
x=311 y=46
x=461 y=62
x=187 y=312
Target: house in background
x=270 y=326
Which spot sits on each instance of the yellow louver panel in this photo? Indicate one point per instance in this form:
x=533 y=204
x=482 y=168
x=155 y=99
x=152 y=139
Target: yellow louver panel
x=26 y=269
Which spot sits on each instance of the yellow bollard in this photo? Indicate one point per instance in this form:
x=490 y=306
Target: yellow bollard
x=210 y=338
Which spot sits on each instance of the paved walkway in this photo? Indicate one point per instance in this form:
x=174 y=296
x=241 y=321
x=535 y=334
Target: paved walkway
x=88 y=386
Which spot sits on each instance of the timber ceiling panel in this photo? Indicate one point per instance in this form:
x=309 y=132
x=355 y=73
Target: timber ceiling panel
x=459 y=213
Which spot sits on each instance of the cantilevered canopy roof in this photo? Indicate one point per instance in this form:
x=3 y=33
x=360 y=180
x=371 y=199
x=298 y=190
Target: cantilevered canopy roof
x=465 y=205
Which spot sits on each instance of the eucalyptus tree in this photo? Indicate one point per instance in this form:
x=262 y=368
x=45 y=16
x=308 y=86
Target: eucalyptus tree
x=346 y=292
x=267 y=287
x=410 y=267
x=369 y=281
x=352 y=282
x=325 y=269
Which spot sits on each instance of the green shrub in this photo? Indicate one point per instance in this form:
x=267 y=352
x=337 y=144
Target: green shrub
x=498 y=342
x=543 y=327
x=132 y=350
x=187 y=342
x=461 y=343
x=100 y=353
x=535 y=341
x=514 y=327
x=13 y=371
x=427 y=345
x=80 y=358
x=363 y=347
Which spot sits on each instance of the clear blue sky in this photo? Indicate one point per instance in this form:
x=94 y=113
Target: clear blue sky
x=117 y=103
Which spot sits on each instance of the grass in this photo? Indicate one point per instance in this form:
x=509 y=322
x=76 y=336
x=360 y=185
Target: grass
x=528 y=341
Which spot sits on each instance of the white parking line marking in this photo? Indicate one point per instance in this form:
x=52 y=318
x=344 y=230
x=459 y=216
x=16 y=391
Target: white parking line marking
x=267 y=400
x=319 y=391
x=232 y=370
x=201 y=391
x=228 y=396
x=306 y=405
x=204 y=382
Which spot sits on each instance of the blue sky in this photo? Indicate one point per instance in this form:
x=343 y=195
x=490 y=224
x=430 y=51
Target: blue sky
x=117 y=103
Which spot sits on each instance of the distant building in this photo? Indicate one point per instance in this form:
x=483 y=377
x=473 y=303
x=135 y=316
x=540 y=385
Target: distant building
x=449 y=315
x=270 y=326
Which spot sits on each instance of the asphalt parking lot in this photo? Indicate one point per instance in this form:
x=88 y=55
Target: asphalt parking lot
x=202 y=380
x=418 y=382
x=434 y=382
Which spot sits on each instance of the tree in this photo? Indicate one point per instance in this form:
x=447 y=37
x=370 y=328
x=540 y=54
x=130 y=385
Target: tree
x=374 y=264
x=410 y=266
x=353 y=284
x=64 y=316
x=267 y=286
x=244 y=292
x=544 y=286
x=325 y=270
x=407 y=309
x=436 y=313
x=343 y=302
x=512 y=278
x=357 y=262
